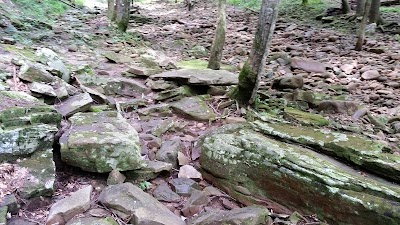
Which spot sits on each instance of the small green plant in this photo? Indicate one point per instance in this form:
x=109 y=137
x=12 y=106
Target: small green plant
x=44 y=10
x=397 y=37
x=144 y=185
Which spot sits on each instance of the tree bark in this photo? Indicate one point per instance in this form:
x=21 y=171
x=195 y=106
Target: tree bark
x=122 y=19
x=374 y=13
x=111 y=10
x=250 y=75
x=361 y=31
x=219 y=39
x=360 y=7
x=345 y=6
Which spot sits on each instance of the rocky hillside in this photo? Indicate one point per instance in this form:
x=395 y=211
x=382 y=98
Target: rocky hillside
x=102 y=127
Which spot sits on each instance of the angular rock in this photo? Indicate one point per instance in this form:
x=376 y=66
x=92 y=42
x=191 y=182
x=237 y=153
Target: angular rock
x=184 y=186
x=162 y=108
x=291 y=82
x=92 y=221
x=100 y=142
x=131 y=200
x=11 y=202
x=195 y=108
x=160 y=84
x=308 y=65
x=77 y=103
x=115 y=177
x=251 y=215
x=117 y=58
x=337 y=106
x=3 y=215
x=39 y=175
x=370 y=75
x=299 y=178
x=169 y=151
x=35 y=73
x=140 y=71
x=175 y=94
x=188 y=171
x=164 y=193
x=19 y=221
x=43 y=89
x=64 y=210
x=50 y=58
x=195 y=203
x=199 y=77
x=150 y=170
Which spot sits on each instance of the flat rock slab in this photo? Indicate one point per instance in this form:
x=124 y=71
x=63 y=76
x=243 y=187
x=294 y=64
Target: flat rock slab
x=297 y=178
x=199 y=77
x=77 y=103
x=92 y=221
x=37 y=175
x=100 y=142
x=131 y=200
x=252 y=215
x=195 y=108
x=308 y=65
x=357 y=149
x=65 y=209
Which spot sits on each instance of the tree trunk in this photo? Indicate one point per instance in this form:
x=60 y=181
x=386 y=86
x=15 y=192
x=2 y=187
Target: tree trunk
x=123 y=8
x=360 y=7
x=111 y=10
x=250 y=75
x=374 y=14
x=345 y=6
x=219 y=39
x=361 y=31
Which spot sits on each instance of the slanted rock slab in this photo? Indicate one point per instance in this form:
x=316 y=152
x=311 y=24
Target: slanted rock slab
x=195 y=108
x=64 y=210
x=199 y=77
x=77 y=103
x=296 y=177
x=100 y=142
x=130 y=199
x=92 y=221
x=369 y=154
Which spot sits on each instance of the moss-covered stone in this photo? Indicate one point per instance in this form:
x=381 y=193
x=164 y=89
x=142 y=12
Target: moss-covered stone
x=369 y=154
x=195 y=108
x=38 y=180
x=92 y=221
x=258 y=170
x=200 y=65
x=101 y=142
x=305 y=118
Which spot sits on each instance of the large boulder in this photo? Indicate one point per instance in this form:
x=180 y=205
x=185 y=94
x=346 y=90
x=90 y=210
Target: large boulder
x=129 y=199
x=252 y=167
x=26 y=125
x=357 y=149
x=101 y=142
x=199 y=77
x=194 y=108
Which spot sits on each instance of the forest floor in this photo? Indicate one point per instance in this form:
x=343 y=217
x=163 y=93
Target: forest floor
x=181 y=35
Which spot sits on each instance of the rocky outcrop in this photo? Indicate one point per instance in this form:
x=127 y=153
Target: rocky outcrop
x=252 y=168
x=101 y=142
x=142 y=208
x=26 y=125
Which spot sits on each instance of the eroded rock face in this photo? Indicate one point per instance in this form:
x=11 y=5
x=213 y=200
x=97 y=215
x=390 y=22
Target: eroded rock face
x=131 y=200
x=298 y=178
x=26 y=125
x=101 y=142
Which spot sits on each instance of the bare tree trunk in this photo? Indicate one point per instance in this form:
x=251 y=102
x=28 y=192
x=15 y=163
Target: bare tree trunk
x=219 y=39
x=360 y=7
x=374 y=13
x=250 y=75
x=111 y=10
x=361 y=31
x=345 y=6
x=123 y=8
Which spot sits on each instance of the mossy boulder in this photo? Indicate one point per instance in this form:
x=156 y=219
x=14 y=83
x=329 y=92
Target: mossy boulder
x=26 y=125
x=101 y=142
x=195 y=108
x=305 y=118
x=256 y=169
x=357 y=149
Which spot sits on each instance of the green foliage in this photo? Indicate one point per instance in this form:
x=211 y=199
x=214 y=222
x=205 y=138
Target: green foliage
x=295 y=8
x=251 y=4
x=392 y=9
x=80 y=2
x=43 y=10
x=144 y=185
